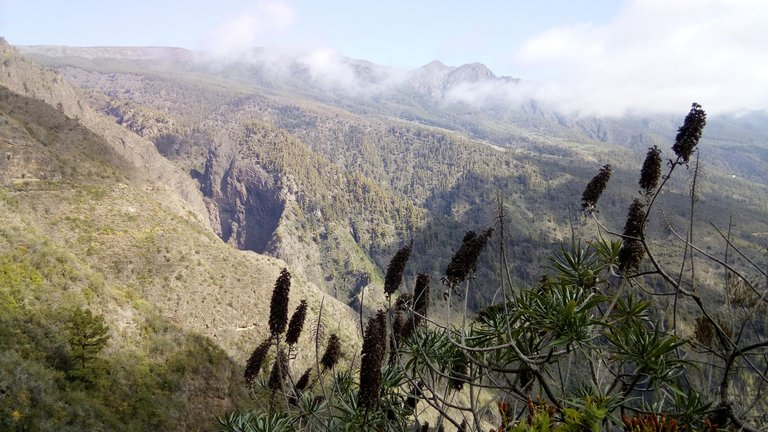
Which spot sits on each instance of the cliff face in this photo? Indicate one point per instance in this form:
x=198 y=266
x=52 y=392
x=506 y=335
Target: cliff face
x=244 y=202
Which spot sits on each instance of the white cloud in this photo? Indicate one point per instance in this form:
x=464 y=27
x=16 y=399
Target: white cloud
x=258 y=26
x=658 y=55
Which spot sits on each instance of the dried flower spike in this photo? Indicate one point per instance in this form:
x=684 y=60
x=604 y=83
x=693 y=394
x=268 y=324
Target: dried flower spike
x=296 y=324
x=464 y=262
x=279 y=371
x=374 y=347
x=632 y=251
x=396 y=268
x=278 y=308
x=303 y=381
x=595 y=188
x=421 y=295
x=332 y=352
x=253 y=366
x=690 y=132
x=651 y=171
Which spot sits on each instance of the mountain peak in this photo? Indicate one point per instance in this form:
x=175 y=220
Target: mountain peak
x=472 y=72
x=436 y=66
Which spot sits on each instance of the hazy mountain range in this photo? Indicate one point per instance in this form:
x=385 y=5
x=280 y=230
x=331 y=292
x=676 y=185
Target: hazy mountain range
x=171 y=186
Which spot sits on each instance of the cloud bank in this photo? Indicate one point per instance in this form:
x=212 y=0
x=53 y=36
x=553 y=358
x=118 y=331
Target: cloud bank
x=657 y=56
x=261 y=25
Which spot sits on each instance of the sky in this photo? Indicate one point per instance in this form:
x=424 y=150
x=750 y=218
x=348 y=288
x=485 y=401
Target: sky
x=594 y=56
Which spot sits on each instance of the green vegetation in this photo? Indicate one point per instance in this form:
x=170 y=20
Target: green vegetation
x=599 y=344
x=121 y=311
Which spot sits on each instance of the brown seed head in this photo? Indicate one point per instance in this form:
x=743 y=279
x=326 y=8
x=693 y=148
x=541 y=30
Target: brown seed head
x=421 y=294
x=396 y=268
x=464 y=262
x=595 y=188
x=632 y=252
x=296 y=324
x=371 y=359
x=332 y=352
x=651 y=171
x=279 y=371
x=404 y=302
x=690 y=132
x=253 y=366
x=301 y=384
x=278 y=308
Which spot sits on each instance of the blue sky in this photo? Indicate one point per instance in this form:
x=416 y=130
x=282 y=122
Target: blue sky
x=597 y=56
x=391 y=32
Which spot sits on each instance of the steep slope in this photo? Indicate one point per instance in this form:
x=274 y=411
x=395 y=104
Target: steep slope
x=83 y=228
x=447 y=158
x=25 y=77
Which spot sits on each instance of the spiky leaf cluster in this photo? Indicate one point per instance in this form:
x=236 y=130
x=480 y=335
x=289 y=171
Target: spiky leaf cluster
x=396 y=268
x=632 y=251
x=595 y=188
x=690 y=132
x=374 y=348
x=332 y=352
x=253 y=366
x=297 y=323
x=278 y=308
x=279 y=371
x=651 y=171
x=464 y=262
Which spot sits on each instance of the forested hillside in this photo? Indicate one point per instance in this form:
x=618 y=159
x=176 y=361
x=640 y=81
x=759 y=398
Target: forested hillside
x=119 y=307
x=151 y=197
x=375 y=168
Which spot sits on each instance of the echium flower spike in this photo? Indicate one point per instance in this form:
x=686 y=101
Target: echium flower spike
x=690 y=132
x=632 y=252
x=374 y=347
x=595 y=188
x=458 y=375
x=421 y=295
x=651 y=171
x=396 y=268
x=332 y=352
x=278 y=308
x=279 y=371
x=303 y=381
x=296 y=324
x=464 y=262
x=253 y=366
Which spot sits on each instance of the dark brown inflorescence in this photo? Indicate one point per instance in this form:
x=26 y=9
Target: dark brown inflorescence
x=420 y=306
x=690 y=132
x=459 y=368
x=464 y=262
x=404 y=302
x=595 y=188
x=279 y=371
x=253 y=366
x=303 y=381
x=278 y=308
x=421 y=295
x=396 y=268
x=651 y=171
x=332 y=352
x=632 y=251
x=374 y=347
x=296 y=324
